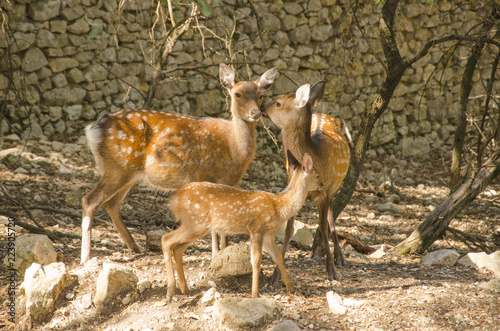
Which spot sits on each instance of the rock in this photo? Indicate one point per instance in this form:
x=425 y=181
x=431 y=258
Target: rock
x=300 y=35
x=43 y=286
x=301 y=234
x=64 y=95
x=113 y=280
x=442 y=257
x=244 y=313
x=32 y=248
x=389 y=207
x=493 y=285
x=87 y=300
x=482 y=260
x=95 y=72
x=415 y=146
x=209 y=297
x=335 y=303
x=232 y=261
x=153 y=239
x=143 y=285
x=74 y=112
x=34 y=131
x=61 y=64
x=44 y=10
x=380 y=252
x=287 y=325
x=394 y=198
x=33 y=60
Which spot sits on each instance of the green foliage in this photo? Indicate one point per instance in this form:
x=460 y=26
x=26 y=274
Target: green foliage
x=94 y=32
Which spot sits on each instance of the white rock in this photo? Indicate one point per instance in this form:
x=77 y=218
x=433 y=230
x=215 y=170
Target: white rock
x=32 y=248
x=244 y=312
x=43 y=286
x=482 y=260
x=113 y=280
x=389 y=207
x=301 y=234
x=353 y=302
x=143 y=285
x=153 y=239
x=380 y=252
x=209 y=297
x=493 y=284
x=287 y=325
x=442 y=257
x=335 y=303
x=232 y=261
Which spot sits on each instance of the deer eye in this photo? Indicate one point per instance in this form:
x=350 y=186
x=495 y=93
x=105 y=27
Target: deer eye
x=278 y=104
x=237 y=95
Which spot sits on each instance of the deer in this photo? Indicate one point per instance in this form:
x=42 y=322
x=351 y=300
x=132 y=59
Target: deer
x=202 y=207
x=167 y=150
x=320 y=136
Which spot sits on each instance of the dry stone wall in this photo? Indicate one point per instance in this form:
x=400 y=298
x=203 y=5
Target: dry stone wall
x=74 y=60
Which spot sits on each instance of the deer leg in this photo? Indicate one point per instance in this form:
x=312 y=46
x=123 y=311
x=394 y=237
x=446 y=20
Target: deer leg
x=179 y=266
x=256 y=254
x=112 y=207
x=167 y=246
x=323 y=206
x=276 y=255
x=223 y=241
x=337 y=251
x=104 y=190
x=288 y=235
x=215 y=243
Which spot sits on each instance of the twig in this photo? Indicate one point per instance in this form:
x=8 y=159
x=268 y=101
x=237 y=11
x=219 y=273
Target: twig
x=469 y=240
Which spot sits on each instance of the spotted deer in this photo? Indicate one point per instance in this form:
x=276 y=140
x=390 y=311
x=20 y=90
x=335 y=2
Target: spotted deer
x=201 y=207
x=168 y=150
x=320 y=136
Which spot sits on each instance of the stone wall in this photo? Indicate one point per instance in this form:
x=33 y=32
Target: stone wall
x=75 y=60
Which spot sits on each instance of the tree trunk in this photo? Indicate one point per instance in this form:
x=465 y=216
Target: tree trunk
x=396 y=68
x=465 y=89
x=438 y=221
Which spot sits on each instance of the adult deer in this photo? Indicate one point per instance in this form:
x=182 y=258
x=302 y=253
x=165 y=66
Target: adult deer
x=320 y=136
x=168 y=150
x=202 y=207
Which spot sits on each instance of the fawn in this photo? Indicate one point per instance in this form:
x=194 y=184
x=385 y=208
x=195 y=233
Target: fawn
x=201 y=207
x=320 y=136
x=168 y=150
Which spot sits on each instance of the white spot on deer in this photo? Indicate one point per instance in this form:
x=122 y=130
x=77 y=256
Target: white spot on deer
x=129 y=116
x=122 y=135
x=150 y=160
x=140 y=126
x=144 y=118
x=124 y=149
x=129 y=150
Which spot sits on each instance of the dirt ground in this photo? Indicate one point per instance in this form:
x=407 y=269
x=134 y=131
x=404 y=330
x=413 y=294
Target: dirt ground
x=396 y=293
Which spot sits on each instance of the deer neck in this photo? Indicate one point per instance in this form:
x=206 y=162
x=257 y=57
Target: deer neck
x=244 y=139
x=291 y=199
x=297 y=136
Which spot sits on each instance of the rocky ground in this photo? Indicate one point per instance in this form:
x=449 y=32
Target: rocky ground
x=49 y=179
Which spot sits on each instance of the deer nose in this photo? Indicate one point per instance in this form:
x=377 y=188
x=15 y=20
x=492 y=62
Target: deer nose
x=255 y=113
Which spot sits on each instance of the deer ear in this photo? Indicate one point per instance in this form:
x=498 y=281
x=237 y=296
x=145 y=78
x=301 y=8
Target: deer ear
x=302 y=95
x=267 y=79
x=307 y=163
x=292 y=161
x=226 y=75
x=316 y=93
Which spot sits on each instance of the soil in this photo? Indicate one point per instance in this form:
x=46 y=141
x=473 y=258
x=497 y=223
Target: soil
x=393 y=292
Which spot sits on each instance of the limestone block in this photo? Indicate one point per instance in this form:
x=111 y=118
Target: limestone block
x=244 y=313
x=153 y=239
x=301 y=234
x=232 y=261
x=44 y=10
x=33 y=60
x=113 y=280
x=300 y=35
x=32 y=248
x=442 y=257
x=43 y=286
